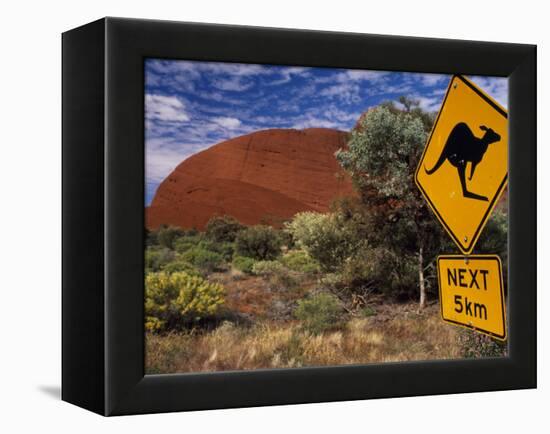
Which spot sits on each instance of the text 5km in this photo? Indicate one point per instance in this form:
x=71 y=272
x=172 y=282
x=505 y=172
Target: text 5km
x=470 y=308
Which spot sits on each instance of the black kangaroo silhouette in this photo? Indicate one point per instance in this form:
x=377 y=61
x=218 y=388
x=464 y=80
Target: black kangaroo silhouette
x=463 y=147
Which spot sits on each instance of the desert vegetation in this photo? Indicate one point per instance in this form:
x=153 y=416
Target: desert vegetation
x=353 y=285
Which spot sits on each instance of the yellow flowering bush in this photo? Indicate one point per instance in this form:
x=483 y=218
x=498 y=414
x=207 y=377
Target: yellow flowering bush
x=172 y=300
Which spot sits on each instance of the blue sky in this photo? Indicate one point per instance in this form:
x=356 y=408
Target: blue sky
x=191 y=105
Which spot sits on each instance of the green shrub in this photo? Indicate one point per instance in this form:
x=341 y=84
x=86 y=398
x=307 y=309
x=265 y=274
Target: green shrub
x=283 y=280
x=180 y=265
x=301 y=261
x=258 y=242
x=332 y=281
x=368 y=311
x=187 y=242
x=382 y=270
x=192 y=232
x=244 y=264
x=156 y=259
x=277 y=274
x=324 y=236
x=475 y=345
x=225 y=249
x=204 y=260
x=318 y=313
x=494 y=240
x=381 y=156
x=223 y=229
x=150 y=238
x=287 y=239
x=167 y=235
x=368 y=267
x=267 y=268
x=174 y=300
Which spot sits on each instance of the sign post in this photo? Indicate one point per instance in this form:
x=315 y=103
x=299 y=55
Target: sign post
x=462 y=173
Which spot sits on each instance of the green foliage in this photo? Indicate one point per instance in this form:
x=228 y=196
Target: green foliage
x=300 y=261
x=391 y=216
x=286 y=238
x=180 y=265
x=476 y=345
x=283 y=280
x=150 y=238
x=324 y=237
x=267 y=268
x=223 y=229
x=368 y=311
x=192 y=232
x=382 y=152
x=258 y=242
x=494 y=240
x=225 y=249
x=319 y=313
x=187 y=242
x=412 y=106
x=156 y=259
x=332 y=281
x=244 y=264
x=203 y=259
x=365 y=268
x=174 y=300
x=167 y=235
x=277 y=274
x=381 y=269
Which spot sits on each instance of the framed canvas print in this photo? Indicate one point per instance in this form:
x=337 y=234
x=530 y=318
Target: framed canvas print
x=263 y=216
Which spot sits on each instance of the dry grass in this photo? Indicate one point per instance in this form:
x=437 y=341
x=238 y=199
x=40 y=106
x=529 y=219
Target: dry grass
x=397 y=333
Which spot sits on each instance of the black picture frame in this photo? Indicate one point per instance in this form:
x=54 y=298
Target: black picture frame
x=103 y=216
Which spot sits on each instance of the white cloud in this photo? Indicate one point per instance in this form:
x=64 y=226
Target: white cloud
x=426 y=103
x=390 y=89
x=431 y=79
x=340 y=115
x=193 y=69
x=346 y=92
x=216 y=96
x=271 y=120
x=439 y=92
x=315 y=122
x=496 y=87
x=162 y=157
x=235 y=84
x=361 y=75
x=165 y=108
x=288 y=72
x=227 y=122
x=332 y=117
x=234 y=69
x=429 y=104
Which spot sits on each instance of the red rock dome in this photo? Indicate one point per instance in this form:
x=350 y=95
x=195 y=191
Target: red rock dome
x=263 y=177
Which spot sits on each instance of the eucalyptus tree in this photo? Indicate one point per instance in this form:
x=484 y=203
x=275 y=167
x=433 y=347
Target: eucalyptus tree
x=381 y=156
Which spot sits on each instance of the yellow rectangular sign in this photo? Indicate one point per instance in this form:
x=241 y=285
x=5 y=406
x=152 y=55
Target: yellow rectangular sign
x=471 y=293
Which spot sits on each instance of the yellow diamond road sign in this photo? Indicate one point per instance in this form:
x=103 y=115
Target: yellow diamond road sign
x=464 y=167
x=471 y=293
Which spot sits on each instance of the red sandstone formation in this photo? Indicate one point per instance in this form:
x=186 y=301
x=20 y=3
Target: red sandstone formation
x=262 y=177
